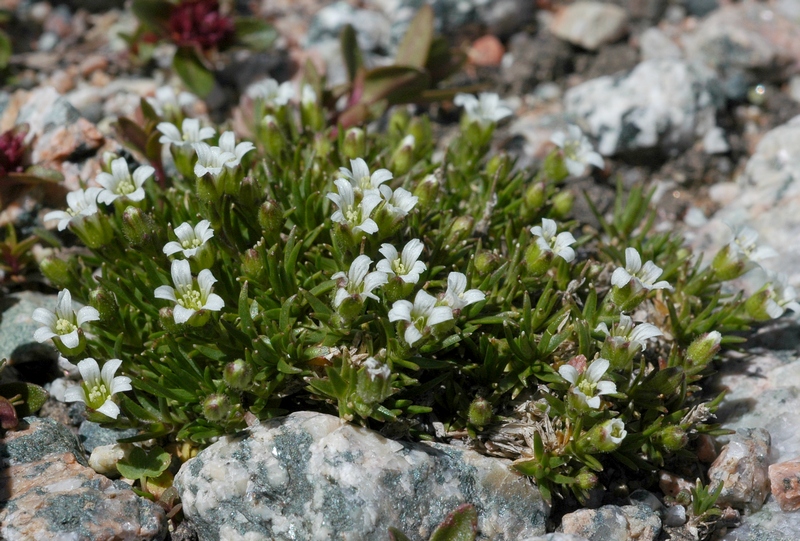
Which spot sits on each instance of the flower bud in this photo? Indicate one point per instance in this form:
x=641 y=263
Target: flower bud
x=535 y=196
x=373 y=382
x=403 y=156
x=398 y=122
x=486 y=262
x=139 y=228
x=499 y=164
x=562 y=204
x=253 y=265
x=760 y=304
x=206 y=189
x=420 y=129
x=427 y=190
x=311 y=113
x=322 y=145
x=105 y=303
x=216 y=407
x=460 y=230
x=57 y=271
x=270 y=218
x=249 y=193
x=555 y=166
x=604 y=437
x=728 y=264
x=94 y=231
x=703 y=349
x=351 y=308
x=238 y=375
x=272 y=138
x=672 y=438
x=537 y=261
x=480 y=412
x=586 y=479
x=354 y=144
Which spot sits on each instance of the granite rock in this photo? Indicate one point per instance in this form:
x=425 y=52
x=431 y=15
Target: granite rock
x=17 y=327
x=590 y=24
x=784 y=479
x=742 y=469
x=310 y=476
x=626 y=523
x=663 y=105
x=93 y=435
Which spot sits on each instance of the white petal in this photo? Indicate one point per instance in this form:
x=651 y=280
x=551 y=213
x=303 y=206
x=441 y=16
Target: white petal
x=64 y=307
x=633 y=262
x=166 y=293
x=472 y=296
x=401 y=311
x=374 y=279
x=214 y=303
x=412 y=335
x=70 y=340
x=42 y=334
x=181 y=274
x=456 y=283
x=593 y=402
x=76 y=393
x=141 y=174
x=86 y=314
x=172 y=247
x=203 y=230
x=388 y=251
x=171 y=133
x=89 y=370
x=109 y=409
x=121 y=384
x=368 y=226
x=439 y=314
x=109 y=369
x=569 y=373
x=605 y=387
x=181 y=314
x=566 y=253
x=596 y=370
x=359 y=269
x=206 y=281
x=620 y=277
x=45 y=317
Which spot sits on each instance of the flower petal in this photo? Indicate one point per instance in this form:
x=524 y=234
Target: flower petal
x=569 y=373
x=86 y=314
x=166 y=293
x=214 y=303
x=109 y=408
x=181 y=314
x=70 y=340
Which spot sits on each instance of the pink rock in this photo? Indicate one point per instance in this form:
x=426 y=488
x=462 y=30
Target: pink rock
x=785 y=482
x=742 y=469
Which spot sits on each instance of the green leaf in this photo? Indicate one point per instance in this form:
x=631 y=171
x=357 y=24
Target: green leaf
x=396 y=84
x=5 y=50
x=416 y=44
x=33 y=396
x=460 y=525
x=153 y=14
x=351 y=53
x=8 y=415
x=254 y=33
x=131 y=133
x=397 y=535
x=193 y=72
x=140 y=463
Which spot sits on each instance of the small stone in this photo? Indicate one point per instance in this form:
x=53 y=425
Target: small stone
x=67 y=142
x=62 y=81
x=654 y=43
x=785 y=482
x=590 y=24
x=672 y=485
x=17 y=326
x=92 y=63
x=613 y=522
x=714 y=141
x=486 y=51
x=674 y=516
x=742 y=468
x=93 y=435
x=504 y=17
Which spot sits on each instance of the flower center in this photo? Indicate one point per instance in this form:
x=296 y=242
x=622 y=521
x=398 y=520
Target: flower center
x=587 y=387
x=97 y=395
x=399 y=268
x=191 y=243
x=125 y=187
x=352 y=216
x=571 y=149
x=191 y=299
x=64 y=326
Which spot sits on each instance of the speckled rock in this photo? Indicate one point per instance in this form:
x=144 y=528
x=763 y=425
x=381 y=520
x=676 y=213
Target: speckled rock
x=93 y=435
x=742 y=469
x=556 y=537
x=626 y=523
x=17 y=326
x=590 y=24
x=664 y=105
x=309 y=476
x=784 y=479
x=47 y=492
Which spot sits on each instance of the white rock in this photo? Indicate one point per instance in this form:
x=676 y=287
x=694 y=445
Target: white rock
x=655 y=44
x=590 y=24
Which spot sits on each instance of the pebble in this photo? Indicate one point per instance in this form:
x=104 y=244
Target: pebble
x=320 y=478
x=626 y=523
x=784 y=480
x=486 y=51
x=590 y=24
x=655 y=44
x=741 y=467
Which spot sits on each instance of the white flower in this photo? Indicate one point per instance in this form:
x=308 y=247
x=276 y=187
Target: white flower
x=407 y=266
x=188 y=296
x=548 y=241
x=456 y=297
x=64 y=322
x=81 y=204
x=781 y=296
x=376 y=369
x=166 y=101
x=227 y=143
x=356 y=216
x=613 y=431
x=120 y=183
x=588 y=387
x=644 y=276
x=189 y=239
x=189 y=134
x=398 y=203
x=578 y=151
x=486 y=109
x=98 y=386
x=308 y=96
x=744 y=242
x=271 y=92
x=358 y=282
x=421 y=315
x=360 y=178
x=625 y=332
x=211 y=160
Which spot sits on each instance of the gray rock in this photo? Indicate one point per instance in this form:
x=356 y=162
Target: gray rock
x=504 y=17
x=742 y=469
x=46 y=109
x=590 y=24
x=556 y=537
x=701 y=8
x=41 y=438
x=17 y=326
x=93 y=435
x=661 y=104
x=655 y=44
x=535 y=59
x=629 y=522
x=450 y=14
x=372 y=27
x=310 y=476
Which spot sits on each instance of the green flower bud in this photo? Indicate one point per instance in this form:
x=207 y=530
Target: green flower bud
x=311 y=114
x=499 y=164
x=271 y=137
x=480 y=412
x=427 y=190
x=486 y=262
x=139 y=228
x=354 y=145
x=94 y=231
x=703 y=349
x=460 y=230
x=729 y=264
x=249 y=192
x=555 y=166
x=253 y=265
x=373 y=382
x=238 y=375
x=586 y=479
x=420 y=128
x=398 y=122
x=270 y=218
x=403 y=156
x=322 y=145
x=105 y=303
x=537 y=261
x=351 y=308
x=562 y=204
x=206 y=189
x=535 y=196
x=604 y=437
x=216 y=407
x=757 y=306
x=672 y=438
x=57 y=271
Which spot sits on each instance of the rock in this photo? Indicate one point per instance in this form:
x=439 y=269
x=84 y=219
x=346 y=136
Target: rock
x=93 y=435
x=450 y=15
x=17 y=326
x=611 y=60
x=372 y=27
x=661 y=105
x=655 y=44
x=701 y=8
x=742 y=469
x=310 y=476
x=556 y=537
x=47 y=492
x=486 y=51
x=45 y=109
x=67 y=143
x=504 y=17
x=590 y=24
x=628 y=522
x=535 y=59
x=784 y=481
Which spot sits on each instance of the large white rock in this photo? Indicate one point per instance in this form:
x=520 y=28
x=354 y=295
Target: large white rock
x=310 y=476
x=590 y=24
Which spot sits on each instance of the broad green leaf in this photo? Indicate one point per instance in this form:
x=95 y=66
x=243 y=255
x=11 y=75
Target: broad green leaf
x=397 y=535
x=33 y=396
x=153 y=14
x=460 y=525
x=140 y=463
x=192 y=72
x=416 y=44
x=5 y=49
x=254 y=33
x=351 y=53
x=396 y=84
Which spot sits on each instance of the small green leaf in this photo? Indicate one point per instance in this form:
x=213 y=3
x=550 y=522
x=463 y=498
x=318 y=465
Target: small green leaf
x=133 y=134
x=397 y=535
x=416 y=44
x=192 y=72
x=5 y=49
x=254 y=33
x=33 y=396
x=396 y=84
x=460 y=525
x=140 y=463
x=153 y=14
